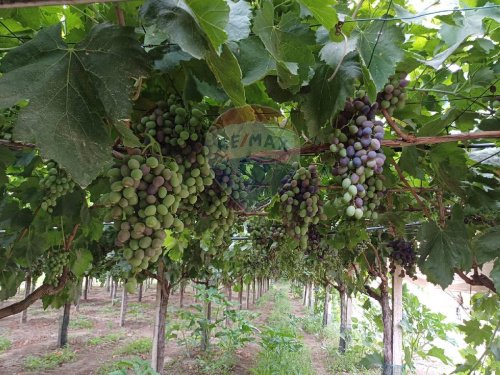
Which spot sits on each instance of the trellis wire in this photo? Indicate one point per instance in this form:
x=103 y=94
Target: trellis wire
x=471 y=104
x=379 y=33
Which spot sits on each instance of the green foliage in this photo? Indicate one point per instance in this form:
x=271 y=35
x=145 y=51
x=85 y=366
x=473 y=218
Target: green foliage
x=139 y=346
x=81 y=322
x=421 y=328
x=138 y=366
x=481 y=330
x=50 y=360
x=282 y=351
x=104 y=340
x=442 y=250
x=85 y=90
x=5 y=344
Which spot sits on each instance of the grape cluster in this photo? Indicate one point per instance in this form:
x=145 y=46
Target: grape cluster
x=171 y=125
x=300 y=202
x=55 y=184
x=146 y=194
x=266 y=233
x=494 y=101
x=403 y=255
x=53 y=266
x=394 y=94
x=356 y=143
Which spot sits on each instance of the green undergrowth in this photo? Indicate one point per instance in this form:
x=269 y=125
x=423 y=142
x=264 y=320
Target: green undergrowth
x=105 y=339
x=81 y=322
x=139 y=346
x=127 y=366
x=50 y=360
x=5 y=344
x=282 y=352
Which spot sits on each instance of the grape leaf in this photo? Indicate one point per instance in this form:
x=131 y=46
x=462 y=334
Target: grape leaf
x=288 y=43
x=495 y=274
x=212 y=17
x=462 y=28
x=83 y=258
x=71 y=90
x=227 y=71
x=238 y=26
x=442 y=250
x=322 y=11
x=487 y=245
x=325 y=98
x=380 y=51
x=255 y=61
x=174 y=18
x=450 y=166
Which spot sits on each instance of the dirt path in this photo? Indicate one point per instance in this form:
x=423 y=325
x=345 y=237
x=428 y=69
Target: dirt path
x=39 y=335
x=318 y=352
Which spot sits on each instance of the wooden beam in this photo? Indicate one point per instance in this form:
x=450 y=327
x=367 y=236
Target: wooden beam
x=397 y=316
x=5 y=4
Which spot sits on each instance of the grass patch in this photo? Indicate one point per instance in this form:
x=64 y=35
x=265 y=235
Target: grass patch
x=81 y=322
x=312 y=324
x=50 y=360
x=139 y=346
x=282 y=350
x=348 y=363
x=5 y=344
x=106 y=339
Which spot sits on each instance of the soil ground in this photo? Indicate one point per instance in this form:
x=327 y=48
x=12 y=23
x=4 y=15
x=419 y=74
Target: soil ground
x=100 y=318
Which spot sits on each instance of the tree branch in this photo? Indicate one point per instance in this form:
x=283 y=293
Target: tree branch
x=45 y=289
x=427 y=213
x=401 y=134
x=477 y=280
x=369 y=290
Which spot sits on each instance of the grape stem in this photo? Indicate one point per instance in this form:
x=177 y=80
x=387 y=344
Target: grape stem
x=395 y=127
x=403 y=179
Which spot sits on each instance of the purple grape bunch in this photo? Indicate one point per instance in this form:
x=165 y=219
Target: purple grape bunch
x=393 y=96
x=403 y=254
x=356 y=143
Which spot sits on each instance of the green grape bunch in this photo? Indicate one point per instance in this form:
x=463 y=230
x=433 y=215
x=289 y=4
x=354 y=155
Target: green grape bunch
x=56 y=259
x=394 y=94
x=55 y=184
x=300 y=203
x=146 y=193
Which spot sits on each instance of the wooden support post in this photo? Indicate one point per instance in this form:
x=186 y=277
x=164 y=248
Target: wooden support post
x=123 y=310
x=311 y=297
x=248 y=296
x=240 y=294
x=62 y=338
x=304 y=302
x=325 y=306
x=114 y=289
x=139 y=294
x=162 y=295
x=253 y=291
x=27 y=289
x=397 y=316
x=181 y=297
x=86 y=288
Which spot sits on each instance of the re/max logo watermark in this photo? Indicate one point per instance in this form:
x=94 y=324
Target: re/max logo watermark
x=248 y=139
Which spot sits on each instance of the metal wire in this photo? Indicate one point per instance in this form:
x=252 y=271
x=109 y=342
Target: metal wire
x=11 y=32
x=420 y=15
x=380 y=33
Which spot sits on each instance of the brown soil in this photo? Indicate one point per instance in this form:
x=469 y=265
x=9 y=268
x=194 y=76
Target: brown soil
x=39 y=335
